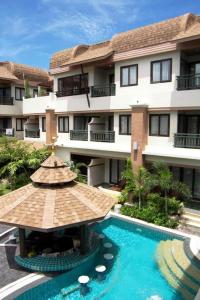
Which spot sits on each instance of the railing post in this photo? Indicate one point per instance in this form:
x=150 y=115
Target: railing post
x=89 y=132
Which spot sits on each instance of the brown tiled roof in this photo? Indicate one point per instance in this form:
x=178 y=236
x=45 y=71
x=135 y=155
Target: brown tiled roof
x=81 y=53
x=20 y=71
x=6 y=74
x=53 y=171
x=49 y=207
x=146 y=36
x=52 y=162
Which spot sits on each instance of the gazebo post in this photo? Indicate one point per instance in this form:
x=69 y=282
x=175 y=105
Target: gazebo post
x=22 y=243
x=84 y=239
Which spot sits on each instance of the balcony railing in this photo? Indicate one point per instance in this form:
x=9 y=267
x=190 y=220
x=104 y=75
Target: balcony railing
x=102 y=136
x=6 y=100
x=79 y=135
x=34 y=134
x=188 y=82
x=2 y=131
x=103 y=91
x=72 y=92
x=187 y=140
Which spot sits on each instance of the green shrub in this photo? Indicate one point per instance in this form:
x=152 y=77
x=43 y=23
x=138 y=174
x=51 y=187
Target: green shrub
x=149 y=214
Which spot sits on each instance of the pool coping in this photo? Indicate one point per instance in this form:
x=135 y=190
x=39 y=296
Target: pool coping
x=150 y=225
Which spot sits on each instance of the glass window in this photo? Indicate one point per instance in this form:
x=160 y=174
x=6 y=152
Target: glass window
x=35 y=92
x=166 y=70
x=164 y=128
x=156 y=72
x=43 y=124
x=63 y=124
x=159 y=125
x=73 y=85
x=20 y=124
x=154 y=125
x=116 y=169
x=124 y=76
x=19 y=93
x=129 y=75
x=161 y=70
x=125 y=124
x=196 y=184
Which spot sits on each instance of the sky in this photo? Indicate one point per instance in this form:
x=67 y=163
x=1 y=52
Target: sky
x=32 y=30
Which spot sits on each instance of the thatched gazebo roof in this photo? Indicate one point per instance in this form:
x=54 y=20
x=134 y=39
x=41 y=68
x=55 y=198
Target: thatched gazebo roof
x=53 y=200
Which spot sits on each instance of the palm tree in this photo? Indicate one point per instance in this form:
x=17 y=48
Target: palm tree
x=142 y=184
x=163 y=179
x=76 y=167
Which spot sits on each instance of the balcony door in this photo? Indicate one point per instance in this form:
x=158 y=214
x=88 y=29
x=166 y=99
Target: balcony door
x=81 y=122
x=5 y=92
x=189 y=124
x=116 y=168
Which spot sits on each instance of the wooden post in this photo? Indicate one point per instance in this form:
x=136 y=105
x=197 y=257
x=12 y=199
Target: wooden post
x=84 y=236
x=22 y=242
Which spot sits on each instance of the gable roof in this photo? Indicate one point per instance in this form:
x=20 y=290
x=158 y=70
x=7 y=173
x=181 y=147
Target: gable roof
x=170 y=30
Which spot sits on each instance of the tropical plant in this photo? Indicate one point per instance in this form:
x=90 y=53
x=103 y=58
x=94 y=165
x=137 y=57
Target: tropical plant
x=142 y=184
x=27 y=89
x=42 y=92
x=76 y=167
x=163 y=179
x=181 y=191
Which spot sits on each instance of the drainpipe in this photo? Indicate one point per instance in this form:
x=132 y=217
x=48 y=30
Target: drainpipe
x=87 y=95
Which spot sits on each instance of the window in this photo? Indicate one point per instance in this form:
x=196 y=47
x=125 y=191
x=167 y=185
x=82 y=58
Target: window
x=125 y=124
x=159 y=125
x=116 y=169
x=63 y=124
x=20 y=124
x=161 y=70
x=129 y=75
x=73 y=85
x=35 y=92
x=19 y=93
x=43 y=124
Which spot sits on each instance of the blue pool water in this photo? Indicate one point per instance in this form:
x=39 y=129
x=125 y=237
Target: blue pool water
x=134 y=274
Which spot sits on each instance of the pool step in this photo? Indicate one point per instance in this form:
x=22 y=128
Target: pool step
x=170 y=277
x=184 y=262
x=178 y=269
x=191 y=219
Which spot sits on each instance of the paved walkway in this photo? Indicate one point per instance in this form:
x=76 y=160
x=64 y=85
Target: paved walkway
x=9 y=270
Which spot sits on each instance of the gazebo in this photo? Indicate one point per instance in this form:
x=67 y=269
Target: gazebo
x=51 y=203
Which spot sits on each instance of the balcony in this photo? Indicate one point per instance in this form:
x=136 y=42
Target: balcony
x=188 y=82
x=32 y=133
x=72 y=92
x=79 y=135
x=187 y=140
x=6 y=100
x=102 y=90
x=102 y=136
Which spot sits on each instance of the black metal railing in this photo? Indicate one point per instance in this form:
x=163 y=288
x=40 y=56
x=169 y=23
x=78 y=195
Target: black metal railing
x=102 y=90
x=79 y=135
x=72 y=92
x=31 y=133
x=10 y=132
x=102 y=136
x=6 y=100
x=188 y=82
x=187 y=140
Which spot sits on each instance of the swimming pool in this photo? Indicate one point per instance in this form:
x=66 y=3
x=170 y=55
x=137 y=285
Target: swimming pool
x=134 y=275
